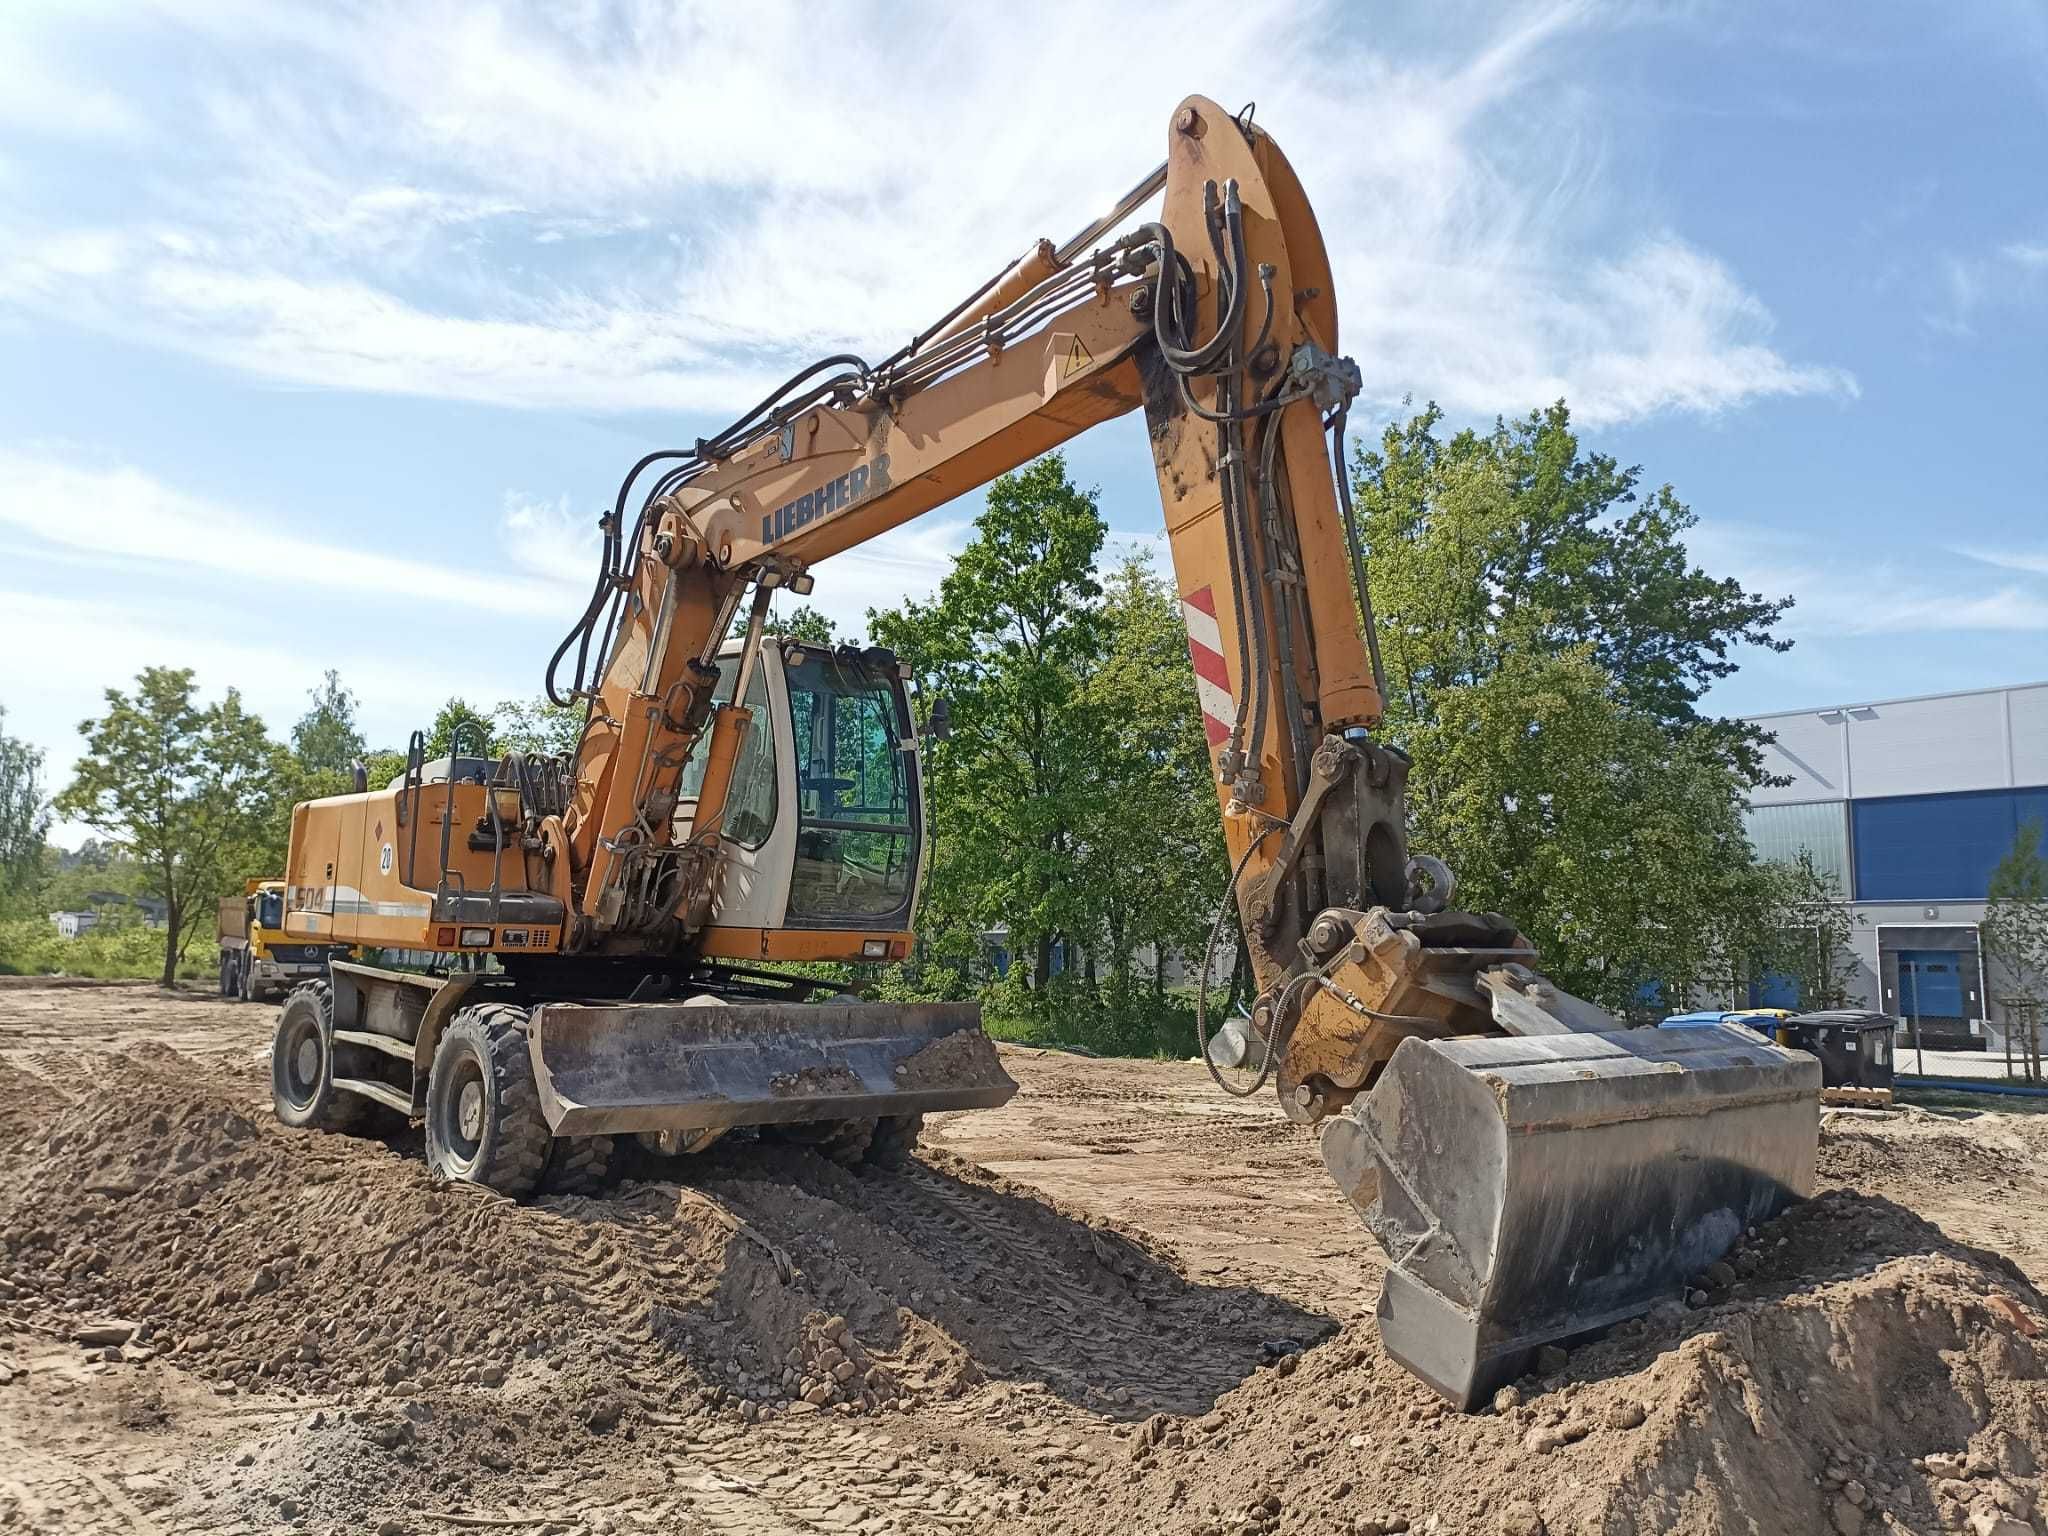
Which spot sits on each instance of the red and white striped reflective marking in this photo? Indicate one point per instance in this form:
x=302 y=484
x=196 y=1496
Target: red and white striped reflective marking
x=1212 y=679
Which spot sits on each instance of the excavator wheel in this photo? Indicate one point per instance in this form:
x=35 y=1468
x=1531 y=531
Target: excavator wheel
x=302 y=1064
x=484 y=1124
x=844 y=1141
x=894 y=1140
x=578 y=1165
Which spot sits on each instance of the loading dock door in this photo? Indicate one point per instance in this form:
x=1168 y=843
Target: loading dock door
x=1931 y=984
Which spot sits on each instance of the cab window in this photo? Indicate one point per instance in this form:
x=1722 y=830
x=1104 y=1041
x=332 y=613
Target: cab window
x=856 y=845
x=270 y=909
x=750 y=803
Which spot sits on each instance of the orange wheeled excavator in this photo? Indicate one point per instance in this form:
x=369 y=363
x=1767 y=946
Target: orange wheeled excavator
x=1532 y=1169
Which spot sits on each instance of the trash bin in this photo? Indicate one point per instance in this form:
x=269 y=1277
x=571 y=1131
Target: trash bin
x=1854 y=1046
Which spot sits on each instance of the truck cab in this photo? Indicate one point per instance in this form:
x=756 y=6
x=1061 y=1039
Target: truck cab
x=258 y=962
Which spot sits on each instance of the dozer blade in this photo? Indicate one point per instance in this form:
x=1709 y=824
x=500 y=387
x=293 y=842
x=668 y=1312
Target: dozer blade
x=675 y=1067
x=1530 y=1189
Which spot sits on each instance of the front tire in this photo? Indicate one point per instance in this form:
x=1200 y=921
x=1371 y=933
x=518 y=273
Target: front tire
x=578 y=1165
x=484 y=1124
x=894 y=1141
x=302 y=1087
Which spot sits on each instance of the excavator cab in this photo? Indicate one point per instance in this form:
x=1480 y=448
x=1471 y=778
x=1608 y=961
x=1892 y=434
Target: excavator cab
x=823 y=823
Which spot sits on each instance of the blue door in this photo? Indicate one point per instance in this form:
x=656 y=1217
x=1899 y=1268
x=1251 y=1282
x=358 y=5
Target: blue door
x=1931 y=983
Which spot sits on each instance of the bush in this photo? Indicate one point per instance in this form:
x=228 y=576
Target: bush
x=31 y=946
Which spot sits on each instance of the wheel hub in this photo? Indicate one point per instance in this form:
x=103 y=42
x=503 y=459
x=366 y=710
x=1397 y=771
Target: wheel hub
x=306 y=1062
x=469 y=1111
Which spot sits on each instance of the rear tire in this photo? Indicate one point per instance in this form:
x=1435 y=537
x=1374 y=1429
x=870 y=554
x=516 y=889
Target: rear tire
x=227 y=972
x=302 y=1087
x=894 y=1141
x=245 y=985
x=578 y=1165
x=484 y=1124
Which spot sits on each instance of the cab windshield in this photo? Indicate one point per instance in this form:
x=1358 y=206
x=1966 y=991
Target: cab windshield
x=856 y=847
x=270 y=909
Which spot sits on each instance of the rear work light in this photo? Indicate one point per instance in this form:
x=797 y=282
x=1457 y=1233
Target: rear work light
x=476 y=938
x=874 y=949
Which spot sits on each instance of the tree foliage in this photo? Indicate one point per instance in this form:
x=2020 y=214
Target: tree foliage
x=189 y=792
x=1011 y=640
x=1807 y=931
x=327 y=738
x=537 y=725
x=24 y=818
x=2015 y=936
x=1547 y=641
x=479 y=734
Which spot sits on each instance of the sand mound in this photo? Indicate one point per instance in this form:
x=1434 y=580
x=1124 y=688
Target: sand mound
x=776 y=1281
x=1851 y=1371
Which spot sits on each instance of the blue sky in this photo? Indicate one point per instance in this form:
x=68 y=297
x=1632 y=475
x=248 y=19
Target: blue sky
x=326 y=331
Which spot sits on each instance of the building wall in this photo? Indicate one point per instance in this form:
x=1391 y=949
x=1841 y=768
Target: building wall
x=1910 y=804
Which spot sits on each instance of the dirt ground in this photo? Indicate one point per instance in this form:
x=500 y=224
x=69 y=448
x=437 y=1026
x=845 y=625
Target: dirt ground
x=1124 y=1303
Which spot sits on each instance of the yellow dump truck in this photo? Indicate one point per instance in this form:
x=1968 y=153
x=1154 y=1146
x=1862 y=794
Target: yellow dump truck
x=258 y=963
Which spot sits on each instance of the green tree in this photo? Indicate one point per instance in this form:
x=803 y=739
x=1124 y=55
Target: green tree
x=1547 y=641
x=190 y=793
x=1808 y=926
x=1516 y=539
x=1153 y=862
x=478 y=738
x=1011 y=640
x=24 y=818
x=807 y=624
x=327 y=739
x=537 y=725
x=2015 y=935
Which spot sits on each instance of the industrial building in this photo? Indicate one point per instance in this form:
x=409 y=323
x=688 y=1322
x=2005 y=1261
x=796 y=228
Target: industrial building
x=1910 y=804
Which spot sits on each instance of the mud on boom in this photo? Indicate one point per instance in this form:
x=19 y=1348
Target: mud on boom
x=1532 y=1169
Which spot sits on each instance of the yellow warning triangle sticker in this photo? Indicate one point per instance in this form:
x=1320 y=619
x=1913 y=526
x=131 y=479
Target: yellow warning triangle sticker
x=1078 y=357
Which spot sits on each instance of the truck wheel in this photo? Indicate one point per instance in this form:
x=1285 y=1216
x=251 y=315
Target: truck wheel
x=484 y=1123
x=227 y=973
x=245 y=983
x=302 y=1087
x=577 y=1165
x=894 y=1140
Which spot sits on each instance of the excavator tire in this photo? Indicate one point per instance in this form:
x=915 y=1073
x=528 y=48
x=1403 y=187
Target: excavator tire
x=302 y=1087
x=894 y=1140
x=484 y=1124
x=579 y=1165
x=844 y=1141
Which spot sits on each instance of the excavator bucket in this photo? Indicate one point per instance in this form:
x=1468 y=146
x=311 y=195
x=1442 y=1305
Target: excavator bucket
x=612 y=1068
x=1530 y=1189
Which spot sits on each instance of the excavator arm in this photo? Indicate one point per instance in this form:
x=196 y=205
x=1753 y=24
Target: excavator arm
x=1532 y=1168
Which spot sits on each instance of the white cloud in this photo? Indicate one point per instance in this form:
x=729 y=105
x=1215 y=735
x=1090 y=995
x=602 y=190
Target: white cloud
x=119 y=515
x=656 y=205
x=2032 y=561
x=1912 y=592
